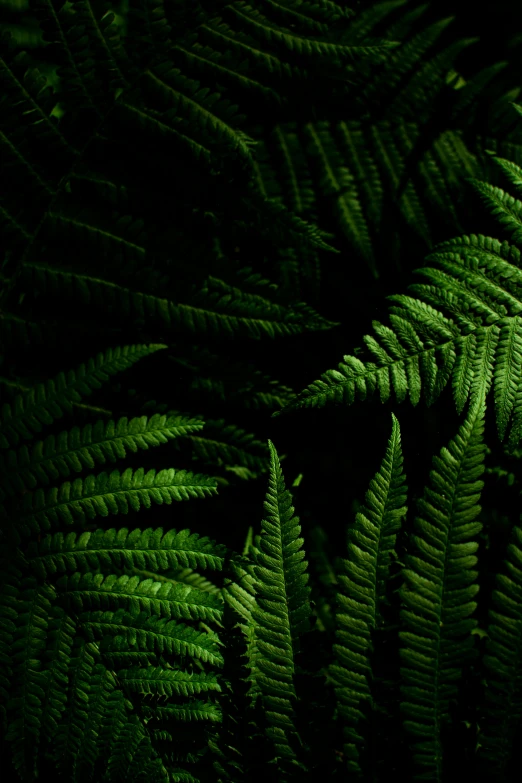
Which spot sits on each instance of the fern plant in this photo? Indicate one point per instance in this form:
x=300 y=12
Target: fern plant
x=87 y=616
x=175 y=164
x=432 y=624
x=463 y=325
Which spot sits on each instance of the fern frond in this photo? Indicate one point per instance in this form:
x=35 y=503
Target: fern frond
x=60 y=638
x=217 y=307
x=337 y=182
x=227 y=379
x=167 y=682
x=50 y=401
x=31 y=604
x=282 y=610
x=464 y=325
x=200 y=113
x=503 y=206
x=186 y=576
x=83 y=591
x=501 y=709
x=67 y=740
x=239 y=593
x=361 y=592
x=225 y=444
x=438 y=592
x=368 y=18
x=193 y=710
x=254 y=20
x=106 y=494
x=405 y=60
x=77 y=449
x=130 y=736
x=150 y=549
x=153 y=634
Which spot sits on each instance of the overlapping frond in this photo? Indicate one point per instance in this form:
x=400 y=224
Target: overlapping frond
x=49 y=401
x=501 y=709
x=216 y=309
x=154 y=634
x=108 y=493
x=361 y=592
x=462 y=325
x=438 y=593
x=150 y=549
x=76 y=449
x=57 y=680
x=282 y=610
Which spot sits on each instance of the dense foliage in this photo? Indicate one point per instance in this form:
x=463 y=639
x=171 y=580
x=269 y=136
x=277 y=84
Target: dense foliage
x=203 y=204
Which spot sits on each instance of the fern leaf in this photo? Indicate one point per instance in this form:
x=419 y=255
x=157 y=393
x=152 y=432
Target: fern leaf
x=153 y=634
x=130 y=736
x=405 y=60
x=167 y=682
x=191 y=711
x=172 y=601
x=464 y=325
x=228 y=445
x=361 y=593
x=187 y=576
x=109 y=493
x=144 y=549
x=282 y=609
x=368 y=18
x=50 y=401
x=336 y=181
x=101 y=684
x=99 y=443
x=438 y=592
x=258 y=24
x=32 y=605
x=239 y=593
x=506 y=208
x=67 y=740
x=501 y=710
x=217 y=308
x=200 y=113
x=60 y=637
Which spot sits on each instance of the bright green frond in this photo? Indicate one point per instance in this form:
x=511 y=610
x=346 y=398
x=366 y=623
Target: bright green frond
x=362 y=581
x=463 y=324
x=108 y=493
x=98 y=591
x=438 y=592
x=154 y=634
x=94 y=444
x=282 y=611
x=150 y=549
